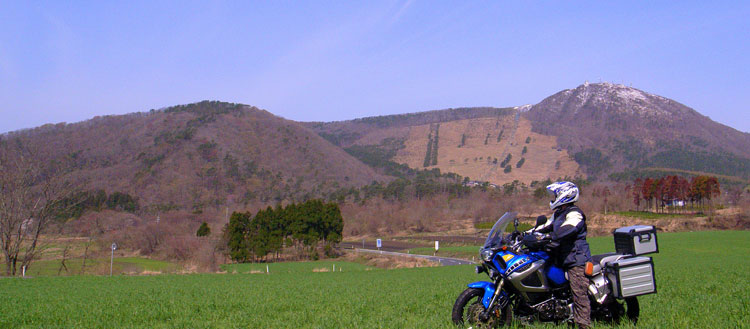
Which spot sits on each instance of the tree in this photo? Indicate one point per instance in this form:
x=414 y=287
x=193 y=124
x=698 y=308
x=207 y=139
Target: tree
x=540 y=192
x=203 y=230
x=31 y=195
x=637 y=188
x=235 y=236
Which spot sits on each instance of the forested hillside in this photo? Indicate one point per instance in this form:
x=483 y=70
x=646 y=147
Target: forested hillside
x=199 y=155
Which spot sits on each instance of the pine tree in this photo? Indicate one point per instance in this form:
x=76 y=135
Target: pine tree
x=203 y=230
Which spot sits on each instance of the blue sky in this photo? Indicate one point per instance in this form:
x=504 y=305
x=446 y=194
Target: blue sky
x=67 y=61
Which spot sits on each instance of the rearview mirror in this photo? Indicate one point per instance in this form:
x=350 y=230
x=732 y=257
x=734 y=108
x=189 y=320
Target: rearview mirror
x=540 y=220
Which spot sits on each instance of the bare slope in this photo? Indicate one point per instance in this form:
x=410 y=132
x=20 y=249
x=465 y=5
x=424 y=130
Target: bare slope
x=198 y=155
x=472 y=142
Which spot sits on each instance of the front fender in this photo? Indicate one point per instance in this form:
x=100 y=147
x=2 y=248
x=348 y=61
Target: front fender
x=489 y=291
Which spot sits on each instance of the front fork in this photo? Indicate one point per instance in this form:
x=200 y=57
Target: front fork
x=485 y=315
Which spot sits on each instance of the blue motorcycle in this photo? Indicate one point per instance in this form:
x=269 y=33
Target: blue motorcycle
x=527 y=287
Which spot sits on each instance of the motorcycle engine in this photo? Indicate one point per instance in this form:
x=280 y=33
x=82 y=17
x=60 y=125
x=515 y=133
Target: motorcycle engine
x=554 y=310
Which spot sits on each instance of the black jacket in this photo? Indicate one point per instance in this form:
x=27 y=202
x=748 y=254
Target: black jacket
x=568 y=232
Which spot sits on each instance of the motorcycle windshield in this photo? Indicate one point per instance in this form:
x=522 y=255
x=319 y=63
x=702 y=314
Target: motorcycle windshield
x=495 y=238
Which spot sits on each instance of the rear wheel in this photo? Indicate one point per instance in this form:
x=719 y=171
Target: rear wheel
x=632 y=309
x=618 y=311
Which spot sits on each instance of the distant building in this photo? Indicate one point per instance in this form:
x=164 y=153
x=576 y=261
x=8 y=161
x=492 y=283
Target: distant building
x=675 y=203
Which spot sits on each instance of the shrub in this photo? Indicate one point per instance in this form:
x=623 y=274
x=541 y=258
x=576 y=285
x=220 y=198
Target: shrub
x=204 y=230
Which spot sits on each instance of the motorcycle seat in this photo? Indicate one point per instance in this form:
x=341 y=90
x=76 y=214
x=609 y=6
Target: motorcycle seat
x=601 y=260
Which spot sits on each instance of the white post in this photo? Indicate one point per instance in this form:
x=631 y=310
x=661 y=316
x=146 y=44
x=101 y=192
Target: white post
x=267 y=271
x=112 y=258
x=334 y=267
x=111 y=261
x=23 y=270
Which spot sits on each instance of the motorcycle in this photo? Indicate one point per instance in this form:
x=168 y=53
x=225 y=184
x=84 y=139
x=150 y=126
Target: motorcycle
x=528 y=287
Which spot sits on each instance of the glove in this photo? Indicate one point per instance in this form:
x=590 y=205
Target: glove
x=552 y=245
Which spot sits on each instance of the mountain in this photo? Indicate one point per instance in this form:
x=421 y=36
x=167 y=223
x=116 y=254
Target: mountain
x=594 y=130
x=211 y=154
x=199 y=155
x=610 y=127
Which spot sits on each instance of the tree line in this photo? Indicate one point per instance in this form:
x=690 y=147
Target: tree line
x=302 y=227
x=662 y=192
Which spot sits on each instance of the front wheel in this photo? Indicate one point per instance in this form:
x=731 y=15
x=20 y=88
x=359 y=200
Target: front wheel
x=469 y=306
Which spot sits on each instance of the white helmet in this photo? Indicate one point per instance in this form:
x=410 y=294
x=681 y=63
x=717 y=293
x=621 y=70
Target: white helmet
x=563 y=192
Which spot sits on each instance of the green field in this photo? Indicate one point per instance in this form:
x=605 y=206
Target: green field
x=702 y=277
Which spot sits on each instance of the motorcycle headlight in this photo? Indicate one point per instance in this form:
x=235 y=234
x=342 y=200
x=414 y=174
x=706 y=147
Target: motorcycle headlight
x=486 y=254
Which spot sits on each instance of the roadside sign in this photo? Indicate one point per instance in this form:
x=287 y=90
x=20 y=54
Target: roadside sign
x=437 y=245
x=379 y=243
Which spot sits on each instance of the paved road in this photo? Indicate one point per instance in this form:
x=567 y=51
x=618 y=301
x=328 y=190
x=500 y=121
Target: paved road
x=445 y=261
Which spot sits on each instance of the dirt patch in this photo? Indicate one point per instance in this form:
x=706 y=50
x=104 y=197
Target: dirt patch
x=388 y=262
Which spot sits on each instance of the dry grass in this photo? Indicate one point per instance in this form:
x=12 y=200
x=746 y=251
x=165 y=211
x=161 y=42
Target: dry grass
x=388 y=262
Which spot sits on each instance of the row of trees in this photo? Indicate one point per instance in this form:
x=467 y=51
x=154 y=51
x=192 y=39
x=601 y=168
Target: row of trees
x=667 y=191
x=75 y=205
x=430 y=158
x=302 y=227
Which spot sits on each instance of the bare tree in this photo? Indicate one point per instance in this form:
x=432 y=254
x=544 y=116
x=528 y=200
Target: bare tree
x=31 y=195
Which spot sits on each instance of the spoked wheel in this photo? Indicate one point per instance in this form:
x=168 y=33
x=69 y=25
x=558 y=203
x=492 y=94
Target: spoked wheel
x=469 y=306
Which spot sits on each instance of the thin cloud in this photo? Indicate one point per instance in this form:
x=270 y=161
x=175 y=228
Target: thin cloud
x=400 y=12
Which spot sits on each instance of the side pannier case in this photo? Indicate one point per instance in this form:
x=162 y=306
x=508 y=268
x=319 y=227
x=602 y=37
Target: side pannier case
x=631 y=277
x=636 y=240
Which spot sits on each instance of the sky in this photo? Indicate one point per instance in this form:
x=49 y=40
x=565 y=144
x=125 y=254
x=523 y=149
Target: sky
x=68 y=61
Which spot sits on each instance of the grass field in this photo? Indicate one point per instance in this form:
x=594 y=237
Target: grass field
x=702 y=279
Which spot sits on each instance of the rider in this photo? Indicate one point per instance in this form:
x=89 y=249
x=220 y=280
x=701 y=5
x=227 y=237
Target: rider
x=570 y=249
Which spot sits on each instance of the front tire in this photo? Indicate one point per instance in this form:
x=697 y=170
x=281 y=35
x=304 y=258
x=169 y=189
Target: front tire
x=468 y=306
x=468 y=297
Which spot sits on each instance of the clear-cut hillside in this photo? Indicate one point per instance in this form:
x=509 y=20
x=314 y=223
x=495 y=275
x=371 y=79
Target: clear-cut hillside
x=471 y=142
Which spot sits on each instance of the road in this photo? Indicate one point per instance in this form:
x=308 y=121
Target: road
x=445 y=261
